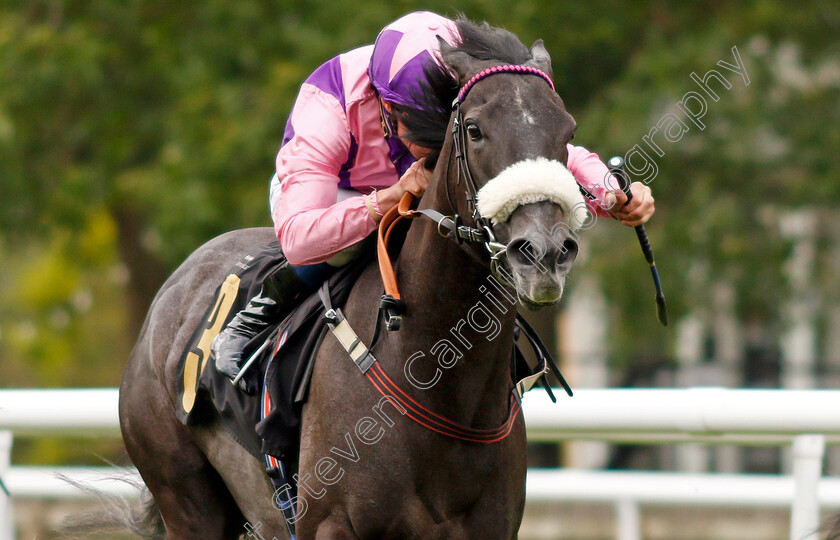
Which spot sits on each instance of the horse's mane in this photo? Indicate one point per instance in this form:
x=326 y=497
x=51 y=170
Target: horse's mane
x=427 y=123
x=485 y=42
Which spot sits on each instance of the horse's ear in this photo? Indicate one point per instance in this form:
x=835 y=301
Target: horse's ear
x=459 y=63
x=540 y=58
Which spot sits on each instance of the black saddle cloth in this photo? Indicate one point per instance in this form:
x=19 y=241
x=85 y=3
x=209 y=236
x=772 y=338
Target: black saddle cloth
x=284 y=375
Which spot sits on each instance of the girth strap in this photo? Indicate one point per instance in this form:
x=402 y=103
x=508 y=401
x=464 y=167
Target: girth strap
x=341 y=329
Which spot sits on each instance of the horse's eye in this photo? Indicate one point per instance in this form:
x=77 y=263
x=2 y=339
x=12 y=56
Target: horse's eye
x=474 y=132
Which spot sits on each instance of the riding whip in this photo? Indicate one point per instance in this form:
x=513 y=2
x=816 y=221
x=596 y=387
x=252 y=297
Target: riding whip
x=616 y=166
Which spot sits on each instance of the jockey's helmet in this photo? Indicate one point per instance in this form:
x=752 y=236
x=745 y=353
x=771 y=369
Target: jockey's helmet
x=402 y=49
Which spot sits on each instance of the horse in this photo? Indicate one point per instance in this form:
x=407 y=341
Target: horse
x=365 y=469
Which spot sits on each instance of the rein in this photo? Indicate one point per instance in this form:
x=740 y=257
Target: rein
x=393 y=306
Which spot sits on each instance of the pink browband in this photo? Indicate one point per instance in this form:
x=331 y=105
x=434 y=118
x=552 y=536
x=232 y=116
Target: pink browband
x=508 y=68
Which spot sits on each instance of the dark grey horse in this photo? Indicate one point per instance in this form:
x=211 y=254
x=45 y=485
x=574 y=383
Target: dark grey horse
x=366 y=470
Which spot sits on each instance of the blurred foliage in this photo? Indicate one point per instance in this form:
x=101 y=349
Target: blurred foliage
x=133 y=131
x=722 y=192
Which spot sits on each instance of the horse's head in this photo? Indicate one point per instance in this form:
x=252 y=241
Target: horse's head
x=513 y=131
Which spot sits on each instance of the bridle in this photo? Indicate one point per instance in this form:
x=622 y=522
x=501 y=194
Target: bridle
x=394 y=307
x=451 y=227
x=458 y=136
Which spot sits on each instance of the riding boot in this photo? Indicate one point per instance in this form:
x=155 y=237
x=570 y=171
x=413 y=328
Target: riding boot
x=280 y=293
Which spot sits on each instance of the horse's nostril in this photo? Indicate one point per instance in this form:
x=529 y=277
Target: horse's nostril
x=568 y=252
x=523 y=252
x=540 y=255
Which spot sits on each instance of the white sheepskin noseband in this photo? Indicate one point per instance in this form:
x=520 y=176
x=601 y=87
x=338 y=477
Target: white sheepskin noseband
x=530 y=181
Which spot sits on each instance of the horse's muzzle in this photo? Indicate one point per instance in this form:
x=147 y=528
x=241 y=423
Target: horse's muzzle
x=539 y=262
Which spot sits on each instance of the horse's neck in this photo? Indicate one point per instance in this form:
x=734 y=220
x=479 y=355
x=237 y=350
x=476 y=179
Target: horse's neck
x=455 y=309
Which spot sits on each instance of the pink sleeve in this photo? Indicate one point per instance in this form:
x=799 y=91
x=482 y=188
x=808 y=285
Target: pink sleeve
x=309 y=224
x=593 y=175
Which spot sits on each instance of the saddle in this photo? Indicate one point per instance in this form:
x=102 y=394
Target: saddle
x=268 y=422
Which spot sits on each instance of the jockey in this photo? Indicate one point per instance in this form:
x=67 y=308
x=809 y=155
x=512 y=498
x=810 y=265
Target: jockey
x=346 y=159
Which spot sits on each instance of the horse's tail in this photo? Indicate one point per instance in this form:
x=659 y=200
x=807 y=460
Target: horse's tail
x=119 y=514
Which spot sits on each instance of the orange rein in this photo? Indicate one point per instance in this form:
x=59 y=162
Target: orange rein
x=383 y=237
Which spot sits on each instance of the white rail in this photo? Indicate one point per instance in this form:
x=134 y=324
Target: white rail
x=77 y=412
x=715 y=415
x=807 y=420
